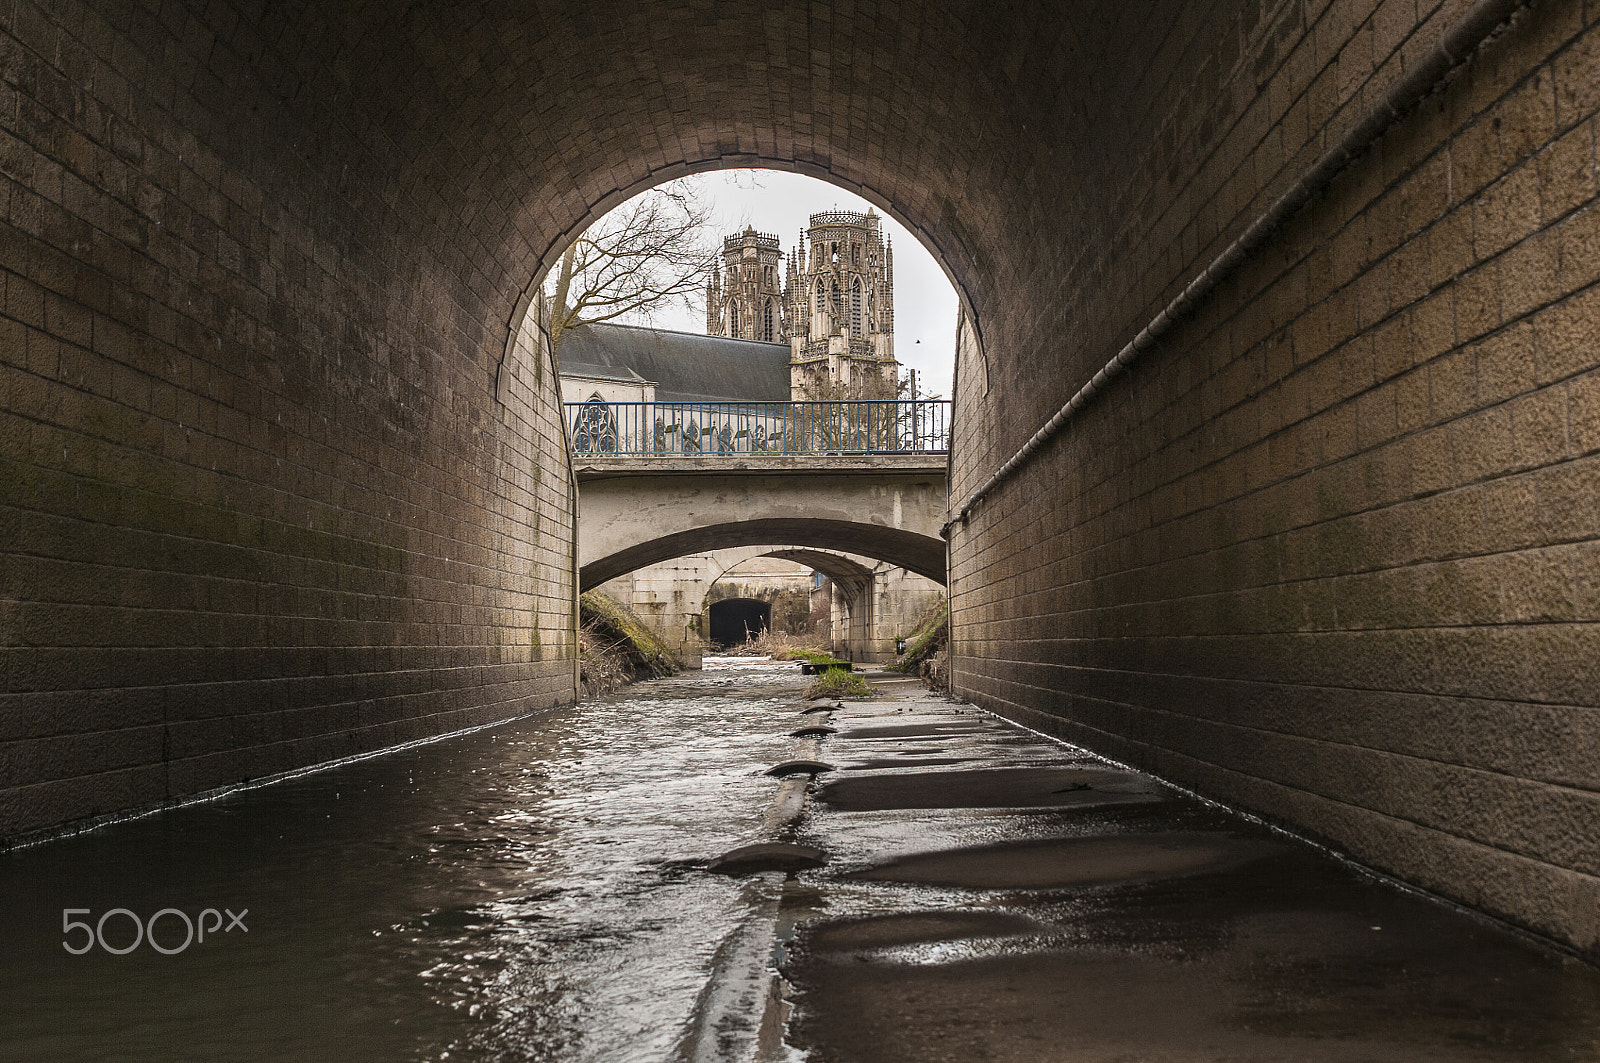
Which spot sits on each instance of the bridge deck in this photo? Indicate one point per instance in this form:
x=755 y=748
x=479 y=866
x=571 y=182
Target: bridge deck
x=595 y=467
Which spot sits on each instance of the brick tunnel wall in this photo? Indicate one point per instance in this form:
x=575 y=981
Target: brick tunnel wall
x=266 y=496
x=269 y=495
x=1329 y=552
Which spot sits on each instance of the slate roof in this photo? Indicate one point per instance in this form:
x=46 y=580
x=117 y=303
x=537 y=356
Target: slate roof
x=600 y=372
x=685 y=367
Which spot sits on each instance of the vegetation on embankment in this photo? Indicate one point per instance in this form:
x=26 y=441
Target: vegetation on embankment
x=615 y=648
x=927 y=650
x=779 y=648
x=838 y=683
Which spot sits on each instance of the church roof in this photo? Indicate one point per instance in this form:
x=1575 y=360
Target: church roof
x=600 y=372
x=685 y=367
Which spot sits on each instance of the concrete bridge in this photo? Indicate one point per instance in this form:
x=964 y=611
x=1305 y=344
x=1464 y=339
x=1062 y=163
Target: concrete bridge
x=1274 y=448
x=820 y=509
x=634 y=511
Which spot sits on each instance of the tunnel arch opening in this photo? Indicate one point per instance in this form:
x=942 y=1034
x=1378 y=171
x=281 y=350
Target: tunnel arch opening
x=784 y=584
x=929 y=288
x=736 y=620
x=927 y=238
x=836 y=567
x=921 y=554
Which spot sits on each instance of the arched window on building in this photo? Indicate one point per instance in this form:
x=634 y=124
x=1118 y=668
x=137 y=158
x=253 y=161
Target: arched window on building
x=822 y=298
x=855 y=307
x=733 y=319
x=766 y=323
x=596 y=429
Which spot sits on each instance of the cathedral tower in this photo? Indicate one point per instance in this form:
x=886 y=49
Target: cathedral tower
x=743 y=299
x=835 y=308
x=840 y=301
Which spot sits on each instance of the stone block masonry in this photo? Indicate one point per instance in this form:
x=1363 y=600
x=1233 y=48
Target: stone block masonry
x=280 y=481
x=260 y=505
x=1327 y=552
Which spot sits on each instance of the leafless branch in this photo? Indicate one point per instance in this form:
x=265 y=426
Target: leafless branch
x=654 y=251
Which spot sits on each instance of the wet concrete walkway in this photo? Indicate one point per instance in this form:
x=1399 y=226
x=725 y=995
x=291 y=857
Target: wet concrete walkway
x=993 y=895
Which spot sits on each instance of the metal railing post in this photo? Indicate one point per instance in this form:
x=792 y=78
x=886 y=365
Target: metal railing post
x=851 y=426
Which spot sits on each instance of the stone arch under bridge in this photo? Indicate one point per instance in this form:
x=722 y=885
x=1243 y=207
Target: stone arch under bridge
x=872 y=605
x=281 y=482
x=871 y=602
x=629 y=520
x=636 y=513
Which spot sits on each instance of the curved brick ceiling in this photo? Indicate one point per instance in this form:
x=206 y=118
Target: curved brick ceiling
x=523 y=122
x=267 y=257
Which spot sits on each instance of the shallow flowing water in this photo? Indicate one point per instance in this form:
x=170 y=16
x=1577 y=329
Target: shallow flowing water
x=533 y=890
x=539 y=891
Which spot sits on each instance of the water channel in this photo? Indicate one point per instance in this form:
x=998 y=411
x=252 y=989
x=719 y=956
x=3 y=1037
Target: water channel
x=539 y=890
x=533 y=890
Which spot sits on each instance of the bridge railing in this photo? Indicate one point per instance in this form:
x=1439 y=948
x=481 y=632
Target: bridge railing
x=863 y=426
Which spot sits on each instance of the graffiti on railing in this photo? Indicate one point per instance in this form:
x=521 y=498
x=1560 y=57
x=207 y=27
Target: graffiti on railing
x=844 y=427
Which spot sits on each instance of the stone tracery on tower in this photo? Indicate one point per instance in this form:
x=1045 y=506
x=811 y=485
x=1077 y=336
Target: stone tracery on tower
x=835 y=309
x=743 y=300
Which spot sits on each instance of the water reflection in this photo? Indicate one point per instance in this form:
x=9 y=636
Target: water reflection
x=528 y=891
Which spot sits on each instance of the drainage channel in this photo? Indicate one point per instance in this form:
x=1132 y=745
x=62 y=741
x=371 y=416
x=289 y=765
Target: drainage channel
x=708 y=869
x=743 y=1013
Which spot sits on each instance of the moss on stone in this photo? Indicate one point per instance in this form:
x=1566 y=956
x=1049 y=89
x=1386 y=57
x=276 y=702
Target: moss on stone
x=617 y=647
x=931 y=635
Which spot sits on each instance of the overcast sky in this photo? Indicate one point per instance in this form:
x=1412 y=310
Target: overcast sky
x=779 y=203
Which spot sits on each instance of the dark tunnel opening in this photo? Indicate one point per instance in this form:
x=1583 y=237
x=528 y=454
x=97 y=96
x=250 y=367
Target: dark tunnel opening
x=733 y=620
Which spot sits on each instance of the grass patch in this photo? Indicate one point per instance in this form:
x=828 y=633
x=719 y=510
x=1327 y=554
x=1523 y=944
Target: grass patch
x=778 y=647
x=838 y=683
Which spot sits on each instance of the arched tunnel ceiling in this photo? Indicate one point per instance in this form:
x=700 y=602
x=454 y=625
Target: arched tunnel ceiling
x=906 y=106
x=997 y=132
x=921 y=554
x=265 y=258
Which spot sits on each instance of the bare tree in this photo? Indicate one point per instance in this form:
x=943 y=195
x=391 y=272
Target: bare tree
x=642 y=257
x=836 y=416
